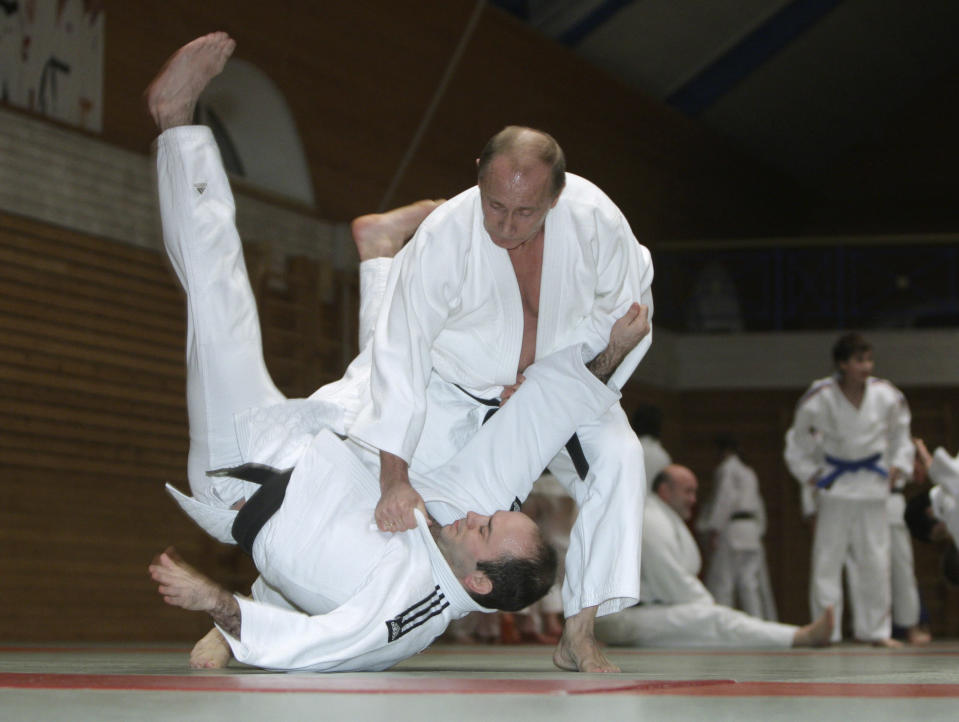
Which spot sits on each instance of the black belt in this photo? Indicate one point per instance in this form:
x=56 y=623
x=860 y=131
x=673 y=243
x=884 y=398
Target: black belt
x=573 y=447
x=262 y=505
x=742 y=515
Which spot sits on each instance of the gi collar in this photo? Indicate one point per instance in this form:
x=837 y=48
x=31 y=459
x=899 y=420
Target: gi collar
x=460 y=601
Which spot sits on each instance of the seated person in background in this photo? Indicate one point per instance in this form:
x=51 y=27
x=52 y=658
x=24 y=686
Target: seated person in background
x=675 y=609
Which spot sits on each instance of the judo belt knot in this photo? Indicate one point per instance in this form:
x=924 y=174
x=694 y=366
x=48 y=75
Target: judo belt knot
x=846 y=466
x=262 y=505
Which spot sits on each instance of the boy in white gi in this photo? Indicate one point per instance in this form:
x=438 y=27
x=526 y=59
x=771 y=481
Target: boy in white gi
x=530 y=260
x=375 y=597
x=850 y=440
x=736 y=523
x=676 y=609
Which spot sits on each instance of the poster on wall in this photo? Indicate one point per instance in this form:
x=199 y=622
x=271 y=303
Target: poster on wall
x=51 y=59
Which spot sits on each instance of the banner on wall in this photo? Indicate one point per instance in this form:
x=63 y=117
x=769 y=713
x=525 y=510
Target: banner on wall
x=51 y=58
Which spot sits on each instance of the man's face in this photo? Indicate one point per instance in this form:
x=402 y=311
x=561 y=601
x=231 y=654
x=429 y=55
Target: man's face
x=515 y=202
x=680 y=493
x=858 y=368
x=478 y=538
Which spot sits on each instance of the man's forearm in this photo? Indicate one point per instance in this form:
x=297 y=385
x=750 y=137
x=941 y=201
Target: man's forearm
x=226 y=613
x=393 y=469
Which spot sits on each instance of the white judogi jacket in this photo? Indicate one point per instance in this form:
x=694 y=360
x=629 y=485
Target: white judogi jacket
x=944 y=497
x=737 y=490
x=655 y=458
x=372 y=598
x=453 y=306
x=671 y=559
x=827 y=424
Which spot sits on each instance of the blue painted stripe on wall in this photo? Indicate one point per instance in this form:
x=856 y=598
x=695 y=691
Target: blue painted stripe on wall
x=749 y=54
x=599 y=16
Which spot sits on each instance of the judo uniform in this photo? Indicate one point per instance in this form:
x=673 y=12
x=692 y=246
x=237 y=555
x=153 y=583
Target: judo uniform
x=655 y=458
x=944 y=497
x=851 y=451
x=450 y=333
x=737 y=567
x=334 y=593
x=905 y=589
x=676 y=609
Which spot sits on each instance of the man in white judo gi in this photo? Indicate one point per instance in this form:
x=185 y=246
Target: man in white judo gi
x=850 y=441
x=735 y=524
x=530 y=260
x=676 y=609
x=943 y=499
x=335 y=592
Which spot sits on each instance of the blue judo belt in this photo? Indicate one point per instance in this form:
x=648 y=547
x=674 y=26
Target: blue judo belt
x=846 y=466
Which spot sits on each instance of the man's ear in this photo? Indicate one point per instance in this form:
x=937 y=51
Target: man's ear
x=478 y=583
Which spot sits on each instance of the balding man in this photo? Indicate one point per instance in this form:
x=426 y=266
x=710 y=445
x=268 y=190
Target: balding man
x=530 y=260
x=676 y=609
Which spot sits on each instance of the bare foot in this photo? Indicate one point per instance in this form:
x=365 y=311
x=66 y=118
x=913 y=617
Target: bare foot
x=817 y=633
x=918 y=636
x=578 y=650
x=382 y=235
x=887 y=643
x=211 y=652
x=171 y=96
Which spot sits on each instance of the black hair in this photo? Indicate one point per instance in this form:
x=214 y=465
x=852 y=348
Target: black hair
x=518 y=581
x=848 y=345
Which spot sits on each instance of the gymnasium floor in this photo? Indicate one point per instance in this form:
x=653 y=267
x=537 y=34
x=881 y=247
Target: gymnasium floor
x=853 y=683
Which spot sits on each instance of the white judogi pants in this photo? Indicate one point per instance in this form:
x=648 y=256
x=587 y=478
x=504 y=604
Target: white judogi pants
x=857 y=530
x=693 y=625
x=224 y=356
x=736 y=573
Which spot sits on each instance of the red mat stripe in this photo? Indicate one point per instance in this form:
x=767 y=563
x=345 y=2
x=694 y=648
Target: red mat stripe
x=336 y=684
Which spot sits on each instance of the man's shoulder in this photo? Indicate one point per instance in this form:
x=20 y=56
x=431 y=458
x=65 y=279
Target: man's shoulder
x=885 y=386
x=818 y=389
x=582 y=193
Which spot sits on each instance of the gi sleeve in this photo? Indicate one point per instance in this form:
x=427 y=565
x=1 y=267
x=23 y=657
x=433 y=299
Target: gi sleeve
x=624 y=275
x=721 y=508
x=354 y=636
x=422 y=290
x=803 y=454
x=902 y=453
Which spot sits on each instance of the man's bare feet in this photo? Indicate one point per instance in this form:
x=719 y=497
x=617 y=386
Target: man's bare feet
x=382 y=235
x=887 y=643
x=816 y=633
x=578 y=650
x=918 y=636
x=211 y=652
x=171 y=96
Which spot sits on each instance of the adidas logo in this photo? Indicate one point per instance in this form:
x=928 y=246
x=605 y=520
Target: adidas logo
x=200 y=187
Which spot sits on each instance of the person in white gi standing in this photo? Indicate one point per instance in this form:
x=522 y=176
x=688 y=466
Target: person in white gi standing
x=850 y=440
x=531 y=260
x=676 y=609
x=736 y=523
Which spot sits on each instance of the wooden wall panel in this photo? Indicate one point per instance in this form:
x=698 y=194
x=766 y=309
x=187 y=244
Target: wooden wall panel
x=94 y=422
x=359 y=77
